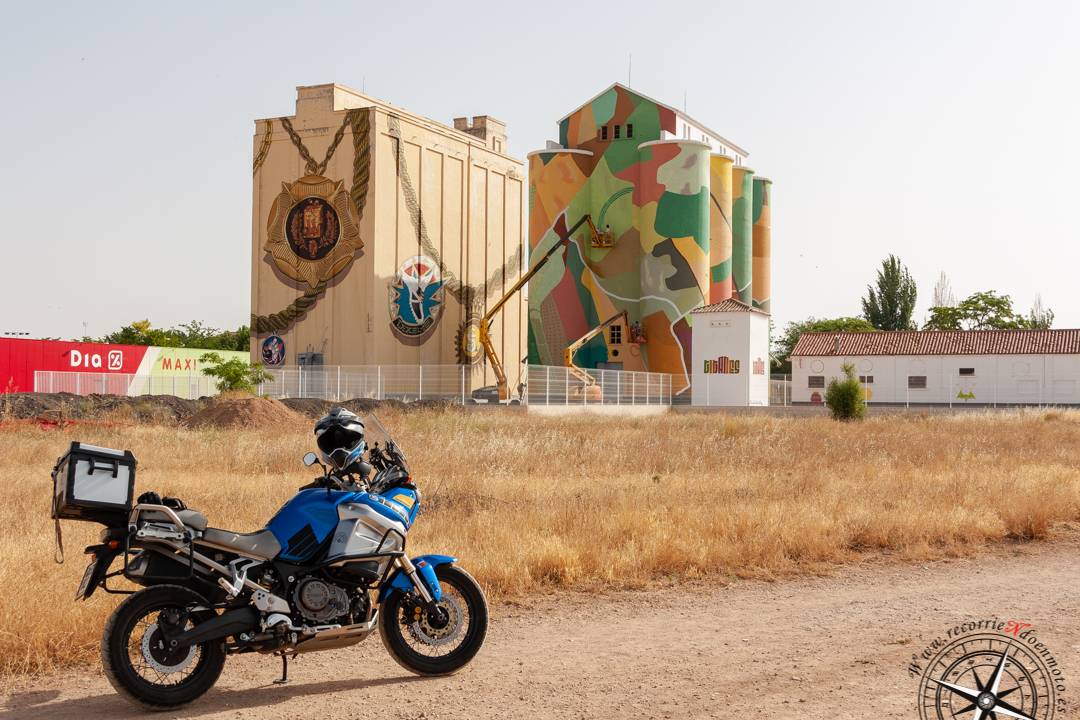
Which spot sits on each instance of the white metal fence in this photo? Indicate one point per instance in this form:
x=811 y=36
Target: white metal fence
x=401 y=382
x=463 y=384
x=471 y=384
x=548 y=385
x=779 y=390
x=185 y=386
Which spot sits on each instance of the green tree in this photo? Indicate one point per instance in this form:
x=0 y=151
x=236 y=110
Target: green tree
x=782 y=346
x=1040 y=318
x=981 y=311
x=141 y=332
x=190 y=335
x=234 y=373
x=891 y=305
x=846 y=398
x=197 y=335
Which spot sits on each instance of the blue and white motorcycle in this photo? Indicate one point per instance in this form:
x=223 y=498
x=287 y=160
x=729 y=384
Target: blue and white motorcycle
x=328 y=569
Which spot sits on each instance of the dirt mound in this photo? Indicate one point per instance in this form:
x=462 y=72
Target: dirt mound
x=23 y=406
x=118 y=408
x=160 y=408
x=315 y=408
x=251 y=413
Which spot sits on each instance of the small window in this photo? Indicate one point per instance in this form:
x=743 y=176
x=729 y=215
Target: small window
x=603 y=133
x=618 y=129
x=967 y=371
x=816 y=381
x=629 y=130
x=916 y=382
x=866 y=379
x=616 y=334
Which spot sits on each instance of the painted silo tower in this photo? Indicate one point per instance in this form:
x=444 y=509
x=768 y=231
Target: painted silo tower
x=678 y=227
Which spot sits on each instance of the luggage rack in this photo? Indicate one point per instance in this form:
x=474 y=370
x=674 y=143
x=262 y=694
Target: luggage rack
x=181 y=535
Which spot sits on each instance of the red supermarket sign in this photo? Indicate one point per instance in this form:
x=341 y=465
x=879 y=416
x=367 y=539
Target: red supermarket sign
x=20 y=359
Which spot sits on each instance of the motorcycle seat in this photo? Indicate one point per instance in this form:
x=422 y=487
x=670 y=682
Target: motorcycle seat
x=261 y=545
x=193 y=520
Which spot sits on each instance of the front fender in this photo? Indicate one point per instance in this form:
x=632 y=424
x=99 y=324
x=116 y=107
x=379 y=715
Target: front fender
x=425 y=565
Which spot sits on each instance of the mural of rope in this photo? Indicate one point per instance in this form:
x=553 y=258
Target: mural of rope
x=361 y=134
x=279 y=321
x=269 y=133
x=467 y=295
x=358 y=120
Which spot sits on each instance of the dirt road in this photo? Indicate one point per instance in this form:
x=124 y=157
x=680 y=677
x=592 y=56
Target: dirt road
x=830 y=647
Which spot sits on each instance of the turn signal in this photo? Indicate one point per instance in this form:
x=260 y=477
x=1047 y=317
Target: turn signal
x=113 y=544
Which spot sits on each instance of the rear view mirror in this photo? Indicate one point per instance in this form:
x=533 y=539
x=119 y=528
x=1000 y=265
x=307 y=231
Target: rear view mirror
x=310 y=459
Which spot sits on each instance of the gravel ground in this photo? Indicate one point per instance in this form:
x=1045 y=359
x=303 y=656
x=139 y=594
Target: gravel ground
x=823 y=647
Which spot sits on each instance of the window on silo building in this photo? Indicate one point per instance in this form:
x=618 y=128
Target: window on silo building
x=617 y=129
x=603 y=132
x=629 y=130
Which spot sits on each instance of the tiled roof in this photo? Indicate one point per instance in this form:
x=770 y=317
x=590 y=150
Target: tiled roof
x=939 y=342
x=729 y=305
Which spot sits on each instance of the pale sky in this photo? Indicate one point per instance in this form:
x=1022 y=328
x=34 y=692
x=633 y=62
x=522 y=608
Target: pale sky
x=943 y=132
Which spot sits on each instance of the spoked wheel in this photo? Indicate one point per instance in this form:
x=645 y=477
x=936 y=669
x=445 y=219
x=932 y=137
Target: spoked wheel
x=428 y=646
x=140 y=664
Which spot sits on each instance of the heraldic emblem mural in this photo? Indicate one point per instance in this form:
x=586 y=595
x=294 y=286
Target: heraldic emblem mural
x=313 y=230
x=416 y=296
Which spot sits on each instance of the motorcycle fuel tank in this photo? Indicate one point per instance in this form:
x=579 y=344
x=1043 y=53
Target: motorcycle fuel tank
x=303 y=523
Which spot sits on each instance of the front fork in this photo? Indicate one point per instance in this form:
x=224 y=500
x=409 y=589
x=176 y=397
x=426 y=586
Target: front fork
x=418 y=583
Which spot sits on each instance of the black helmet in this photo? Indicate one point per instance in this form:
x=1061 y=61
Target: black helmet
x=340 y=436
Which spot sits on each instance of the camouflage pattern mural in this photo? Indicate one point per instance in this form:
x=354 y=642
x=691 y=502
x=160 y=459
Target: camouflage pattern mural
x=762 y=242
x=720 y=226
x=742 y=234
x=671 y=205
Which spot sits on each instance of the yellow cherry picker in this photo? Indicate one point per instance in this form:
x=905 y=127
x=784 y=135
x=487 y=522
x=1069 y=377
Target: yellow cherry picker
x=500 y=392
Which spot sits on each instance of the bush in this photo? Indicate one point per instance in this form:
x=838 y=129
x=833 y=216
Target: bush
x=234 y=374
x=846 y=398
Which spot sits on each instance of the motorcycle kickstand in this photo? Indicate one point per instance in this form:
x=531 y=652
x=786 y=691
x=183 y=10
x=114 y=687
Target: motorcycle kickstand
x=284 y=671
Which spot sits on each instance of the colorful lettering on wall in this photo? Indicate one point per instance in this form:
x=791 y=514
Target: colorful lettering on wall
x=722 y=365
x=186 y=364
x=93 y=360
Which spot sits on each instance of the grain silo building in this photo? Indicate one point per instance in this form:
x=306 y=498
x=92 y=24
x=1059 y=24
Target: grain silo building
x=379 y=237
x=682 y=222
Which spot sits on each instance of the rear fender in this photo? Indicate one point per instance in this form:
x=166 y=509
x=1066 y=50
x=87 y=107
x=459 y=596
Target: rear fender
x=105 y=556
x=425 y=566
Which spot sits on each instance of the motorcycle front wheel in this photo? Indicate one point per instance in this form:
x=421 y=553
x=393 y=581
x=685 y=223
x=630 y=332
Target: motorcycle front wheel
x=426 y=650
x=137 y=661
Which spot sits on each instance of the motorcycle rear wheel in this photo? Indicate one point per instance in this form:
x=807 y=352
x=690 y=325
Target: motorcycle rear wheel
x=138 y=664
x=424 y=650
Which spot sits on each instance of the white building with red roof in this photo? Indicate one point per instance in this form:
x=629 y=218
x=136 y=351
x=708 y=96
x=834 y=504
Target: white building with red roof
x=943 y=367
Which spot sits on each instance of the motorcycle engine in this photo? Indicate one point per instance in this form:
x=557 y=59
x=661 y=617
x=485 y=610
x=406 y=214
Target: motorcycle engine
x=320 y=601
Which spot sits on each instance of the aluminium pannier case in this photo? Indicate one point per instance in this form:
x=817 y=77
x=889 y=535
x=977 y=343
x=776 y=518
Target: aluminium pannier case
x=93 y=483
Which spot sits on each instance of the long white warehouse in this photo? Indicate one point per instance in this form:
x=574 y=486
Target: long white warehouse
x=972 y=367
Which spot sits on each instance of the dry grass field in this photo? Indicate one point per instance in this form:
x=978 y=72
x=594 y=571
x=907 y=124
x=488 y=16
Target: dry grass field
x=529 y=503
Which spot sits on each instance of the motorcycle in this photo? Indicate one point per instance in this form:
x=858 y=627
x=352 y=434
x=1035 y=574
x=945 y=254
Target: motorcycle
x=327 y=571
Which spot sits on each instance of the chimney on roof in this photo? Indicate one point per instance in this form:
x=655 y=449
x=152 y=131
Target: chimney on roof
x=836 y=346
x=485 y=128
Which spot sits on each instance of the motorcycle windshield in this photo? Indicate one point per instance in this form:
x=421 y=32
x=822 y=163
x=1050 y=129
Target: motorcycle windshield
x=374 y=432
